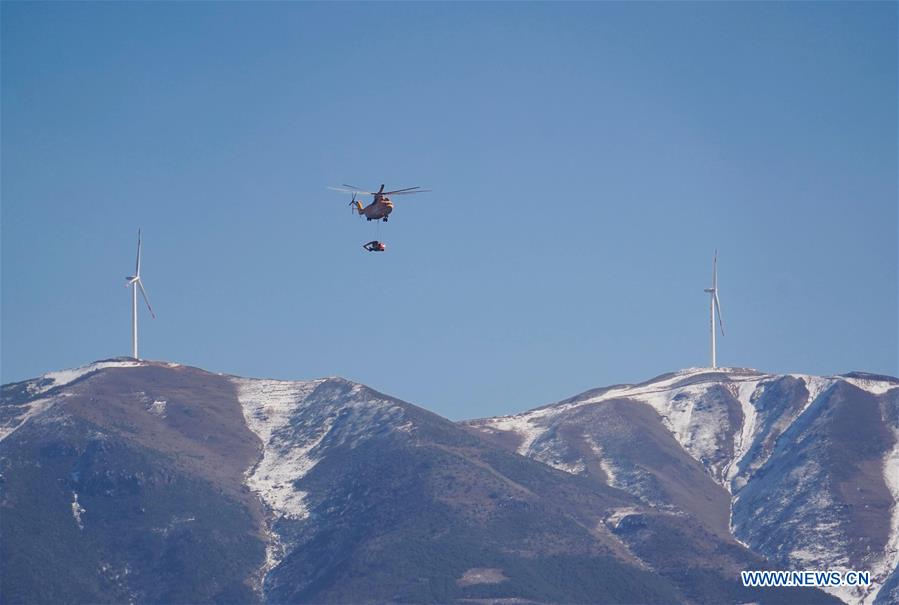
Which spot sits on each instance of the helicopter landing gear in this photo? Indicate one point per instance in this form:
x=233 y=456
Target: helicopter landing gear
x=385 y=219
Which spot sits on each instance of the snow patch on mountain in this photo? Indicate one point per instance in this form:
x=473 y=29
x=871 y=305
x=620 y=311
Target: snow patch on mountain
x=697 y=427
x=298 y=423
x=890 y=560
x=572 y=468
x=267 y=407
x=682 y=400
x=746 y=393
x=528 y=426
x=552 y=449
x=28 y=404
x=872 y=385
x=678 y=398
x=605 y=463
x=157 y=408
x=614 y=518
x=29 y=411
x=53 y=380
x=815 y=385
x=808 y=499
x=77 y=511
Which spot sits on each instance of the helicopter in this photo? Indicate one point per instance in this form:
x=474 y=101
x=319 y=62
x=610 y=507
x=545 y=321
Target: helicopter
x=381 y=206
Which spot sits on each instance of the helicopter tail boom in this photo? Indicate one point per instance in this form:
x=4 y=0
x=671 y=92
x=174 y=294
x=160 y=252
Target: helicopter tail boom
x=356 y=205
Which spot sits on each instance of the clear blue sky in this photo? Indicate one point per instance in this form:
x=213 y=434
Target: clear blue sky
x=586 y=160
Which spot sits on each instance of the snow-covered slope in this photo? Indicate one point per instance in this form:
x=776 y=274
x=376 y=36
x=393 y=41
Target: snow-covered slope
x=811 y=463
x=31 y=404
x=297 y=422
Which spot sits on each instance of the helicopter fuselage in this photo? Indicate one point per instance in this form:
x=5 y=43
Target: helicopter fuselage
x=377 y=210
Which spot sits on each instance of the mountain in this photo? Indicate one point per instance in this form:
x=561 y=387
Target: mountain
x=803 y=470
x=148 y=482
x=123 y=482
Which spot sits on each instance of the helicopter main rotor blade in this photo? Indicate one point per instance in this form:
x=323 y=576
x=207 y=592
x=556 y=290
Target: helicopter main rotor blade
x=406 y=191
x=358 y=190
x=349 y=190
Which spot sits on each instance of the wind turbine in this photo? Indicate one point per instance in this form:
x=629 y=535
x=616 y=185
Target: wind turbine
x=135 y=283
x=714 y=306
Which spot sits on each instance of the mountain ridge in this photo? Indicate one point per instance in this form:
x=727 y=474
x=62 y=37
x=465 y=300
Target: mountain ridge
x=723 y=419
x=337 y=488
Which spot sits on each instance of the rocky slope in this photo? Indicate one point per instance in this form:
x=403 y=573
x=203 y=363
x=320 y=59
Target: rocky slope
x=804 y=470
x=148 y=482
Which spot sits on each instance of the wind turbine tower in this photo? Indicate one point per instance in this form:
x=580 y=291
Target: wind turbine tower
x=714 y=307
x=134 y=282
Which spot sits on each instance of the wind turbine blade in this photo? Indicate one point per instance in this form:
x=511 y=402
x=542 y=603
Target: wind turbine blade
x=718 y=308
x=715 y=271
x=137 y=265
x=146 y=300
